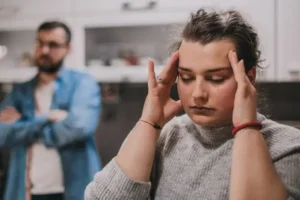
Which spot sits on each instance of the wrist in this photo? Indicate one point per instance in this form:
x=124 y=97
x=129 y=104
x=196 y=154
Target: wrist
x=152 y=120
x=150 y=123
x=248 y=130
x=255 y=125
x=249 y=135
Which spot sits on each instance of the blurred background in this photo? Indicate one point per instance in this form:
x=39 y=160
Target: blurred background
x=112 y=40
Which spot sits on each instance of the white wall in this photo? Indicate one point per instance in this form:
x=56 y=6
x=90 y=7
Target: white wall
x=288 y=38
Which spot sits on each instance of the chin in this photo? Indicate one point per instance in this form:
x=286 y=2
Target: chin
x=208 y=121
x=203 y=120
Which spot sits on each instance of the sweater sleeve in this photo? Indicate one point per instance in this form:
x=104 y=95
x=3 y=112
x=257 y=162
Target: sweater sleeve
x=113 y=184
x=288 y=169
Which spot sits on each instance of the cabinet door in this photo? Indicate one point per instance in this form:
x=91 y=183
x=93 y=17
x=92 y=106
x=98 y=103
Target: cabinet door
x=20 y=9
x=88 y=7
x=147 y=7
x=95 y=6
x=180 y=5
x=288 y=32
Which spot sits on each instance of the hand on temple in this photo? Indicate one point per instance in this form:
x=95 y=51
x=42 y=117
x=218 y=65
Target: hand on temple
x=159 y=108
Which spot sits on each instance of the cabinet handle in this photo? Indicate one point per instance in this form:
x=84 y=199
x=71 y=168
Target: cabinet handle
x=149 y=6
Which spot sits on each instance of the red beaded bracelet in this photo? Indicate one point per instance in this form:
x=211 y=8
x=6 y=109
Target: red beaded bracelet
x=256 y=125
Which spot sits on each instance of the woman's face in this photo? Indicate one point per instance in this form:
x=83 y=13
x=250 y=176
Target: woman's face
x=206 y=83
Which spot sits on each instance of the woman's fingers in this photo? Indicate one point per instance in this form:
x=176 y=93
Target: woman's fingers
x=172 y=108
x=169 y=73
x=237 y=67
x=151 y=75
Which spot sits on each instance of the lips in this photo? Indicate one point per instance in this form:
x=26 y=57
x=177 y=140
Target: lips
x=202 y=108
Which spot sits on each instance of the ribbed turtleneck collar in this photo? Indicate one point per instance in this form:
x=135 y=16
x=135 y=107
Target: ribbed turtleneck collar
x=217 y=135
x=214 y=135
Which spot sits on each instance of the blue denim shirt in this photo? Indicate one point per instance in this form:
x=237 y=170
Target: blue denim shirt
x=75 y=92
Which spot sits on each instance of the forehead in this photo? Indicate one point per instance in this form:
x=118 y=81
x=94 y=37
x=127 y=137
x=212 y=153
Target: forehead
x=56 y=35
x=198 y=57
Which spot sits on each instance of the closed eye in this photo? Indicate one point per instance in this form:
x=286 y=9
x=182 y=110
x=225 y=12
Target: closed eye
x=215 y=79
x=186 y=78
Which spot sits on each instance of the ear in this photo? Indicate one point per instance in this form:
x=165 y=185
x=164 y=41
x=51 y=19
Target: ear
x=69 y=48
x=251 y=74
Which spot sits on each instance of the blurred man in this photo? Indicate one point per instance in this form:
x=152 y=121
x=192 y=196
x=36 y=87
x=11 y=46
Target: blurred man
x=48 y=123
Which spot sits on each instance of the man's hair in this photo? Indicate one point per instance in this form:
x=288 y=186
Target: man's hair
x=50 y=25
x=205 y=27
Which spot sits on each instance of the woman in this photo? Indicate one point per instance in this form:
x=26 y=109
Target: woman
x=196 y=156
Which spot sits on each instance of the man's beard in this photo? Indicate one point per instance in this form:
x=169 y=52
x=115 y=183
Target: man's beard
x=50 y=68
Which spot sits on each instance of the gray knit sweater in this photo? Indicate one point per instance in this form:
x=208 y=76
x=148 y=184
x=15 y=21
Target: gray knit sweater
x=193 y=162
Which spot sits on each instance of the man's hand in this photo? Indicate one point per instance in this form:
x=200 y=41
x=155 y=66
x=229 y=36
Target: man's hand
x=57 y=115
x=9 y=115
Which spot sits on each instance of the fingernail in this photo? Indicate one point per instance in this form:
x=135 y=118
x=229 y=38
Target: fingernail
x=150 y=60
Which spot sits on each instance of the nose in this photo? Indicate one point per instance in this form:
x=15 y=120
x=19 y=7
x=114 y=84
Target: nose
x=200 y=91
x=45 y=49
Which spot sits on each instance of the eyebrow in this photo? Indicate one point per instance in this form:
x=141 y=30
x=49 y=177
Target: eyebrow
x=208 y=71
x=220 y=69
x=184 y=69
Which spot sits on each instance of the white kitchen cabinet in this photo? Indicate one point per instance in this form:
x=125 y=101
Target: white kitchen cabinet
x=82 y=15
x=99 y=13
x=34 y=8
x=126 y=19
x=28 y=14
x=180 y=5
x=261 y=14
x=288 y=40
x=92 y=7
x=94 y=14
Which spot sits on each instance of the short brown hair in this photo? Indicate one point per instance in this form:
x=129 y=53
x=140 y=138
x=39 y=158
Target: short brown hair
x=206 y=27
x=50 y=25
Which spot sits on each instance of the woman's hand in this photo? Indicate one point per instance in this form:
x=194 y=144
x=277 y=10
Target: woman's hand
x=159 y=108
x=245 y=98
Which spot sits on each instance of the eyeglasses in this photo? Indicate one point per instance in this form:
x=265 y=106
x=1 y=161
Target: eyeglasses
x=51 y=45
